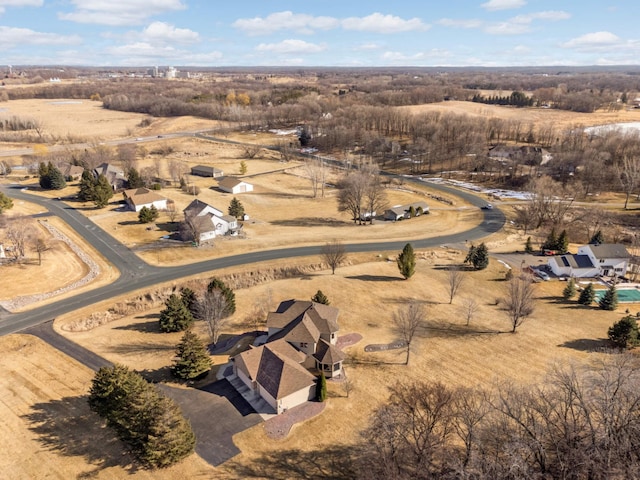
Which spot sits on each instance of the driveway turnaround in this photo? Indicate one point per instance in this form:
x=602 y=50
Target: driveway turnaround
x=216 y=412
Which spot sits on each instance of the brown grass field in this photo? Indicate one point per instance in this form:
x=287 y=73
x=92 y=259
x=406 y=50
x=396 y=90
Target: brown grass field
x=49 y=431
x=560 y=119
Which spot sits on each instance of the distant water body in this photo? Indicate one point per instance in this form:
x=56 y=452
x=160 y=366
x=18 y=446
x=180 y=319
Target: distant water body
x=627 y=127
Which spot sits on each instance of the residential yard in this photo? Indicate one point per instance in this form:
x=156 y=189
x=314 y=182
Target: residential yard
x=367 y=294
x=48 y=429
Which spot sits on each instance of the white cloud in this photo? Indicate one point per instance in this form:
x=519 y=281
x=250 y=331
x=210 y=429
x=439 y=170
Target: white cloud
x=164 y=32
x=548 y=15
x=291 y=46
x=593 y=41
x=19 y=3
x=150 y=53
x=368 y=46
x=450 y=22
x=11 y=36
x=119 y=12
x=503 y=4
x=397 y=57
x=522 y=23
x=308 y=24
x=379 y=23
x=296 y=22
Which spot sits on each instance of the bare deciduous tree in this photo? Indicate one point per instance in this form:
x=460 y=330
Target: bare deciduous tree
x=333 y=253
x=177 y=169
x=19 y=231
x=470 y=307
x=316 y=171
x=407 y=319
x=40 y=245
x=252 y=151
x=455 y=279
x=628 y=173
x=519 y=301
x=212 y=307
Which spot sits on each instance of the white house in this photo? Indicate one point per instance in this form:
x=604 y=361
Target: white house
x=209 y=221
x=137 y=198
x=607 y=260
x=302 y=335
x=234 y=185
x=404 y=211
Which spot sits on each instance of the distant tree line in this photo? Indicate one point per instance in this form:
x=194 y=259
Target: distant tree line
x=516 y=99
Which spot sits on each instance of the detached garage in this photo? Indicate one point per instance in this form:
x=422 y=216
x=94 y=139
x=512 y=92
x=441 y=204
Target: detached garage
x=234 y=185
x=206 y=171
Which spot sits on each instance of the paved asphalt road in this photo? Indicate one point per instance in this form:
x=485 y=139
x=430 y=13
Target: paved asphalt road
x=135 y=274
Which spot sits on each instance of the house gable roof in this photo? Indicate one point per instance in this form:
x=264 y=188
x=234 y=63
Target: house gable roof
x=328 y=354
x=230 y=182
x=198 y=207
x=609 y=250
x=276 y=367
x=324 y=317
x=575 y=261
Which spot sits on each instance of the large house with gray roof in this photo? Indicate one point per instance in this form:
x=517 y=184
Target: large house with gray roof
x=606 y=260
x=302 y=338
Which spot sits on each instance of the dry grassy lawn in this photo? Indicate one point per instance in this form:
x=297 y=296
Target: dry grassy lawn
x=47 y=428
x=51 y=433
x=367 y=294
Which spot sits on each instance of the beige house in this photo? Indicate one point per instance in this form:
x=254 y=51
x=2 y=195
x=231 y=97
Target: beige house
x=301 y=336
x=234 y=185
x=210 y=221
x=138 y=198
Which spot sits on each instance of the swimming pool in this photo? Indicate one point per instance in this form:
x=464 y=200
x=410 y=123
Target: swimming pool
x=625 y=295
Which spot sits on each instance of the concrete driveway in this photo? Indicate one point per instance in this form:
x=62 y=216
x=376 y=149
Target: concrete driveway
x=216 y=412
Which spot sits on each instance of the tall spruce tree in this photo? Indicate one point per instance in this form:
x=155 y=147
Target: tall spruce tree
x=236 y=209
x=176 y=317
x=587 y=295
x=609 y=301
x=102 y=192
x=407 y=261
x=87 y=186
x=570 y=290
x=478 y=256
x=192 y=358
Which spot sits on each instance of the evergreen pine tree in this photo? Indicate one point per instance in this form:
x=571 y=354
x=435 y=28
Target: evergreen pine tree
x=176 y=317
x=609 y=301
x=134 y=180
x=236 y=209
x=528 y=246
x=87 y=186
x=169 y=437
x=5 y=203
x=570 y=290
x=407 y=261
x=56 y=179
x=192 y=358
x=189 y=298
x=624 y=333
x=597 y=239
x=321 y=388
x=229 y=295
x=43 y=172
x=320 y=297
x=148 y=214
x=551 y=241
x=243 y=167
x=587 y=295
x=102 y=192
x=562 y=243
x=478 y=256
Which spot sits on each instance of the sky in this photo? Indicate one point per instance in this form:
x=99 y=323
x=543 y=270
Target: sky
x=365 y=33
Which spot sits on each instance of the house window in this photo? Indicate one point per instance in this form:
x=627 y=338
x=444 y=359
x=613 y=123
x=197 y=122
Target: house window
x=618 y=269
x=304 y=345
x=326 y=368
x=602 y=260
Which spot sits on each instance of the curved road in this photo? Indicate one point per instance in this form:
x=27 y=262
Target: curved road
x=135 y=273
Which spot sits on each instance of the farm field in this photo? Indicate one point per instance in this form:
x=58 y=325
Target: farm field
x=561 y=119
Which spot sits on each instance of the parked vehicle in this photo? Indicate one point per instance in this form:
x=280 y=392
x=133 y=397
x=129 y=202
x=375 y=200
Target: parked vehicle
x=488 y=206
